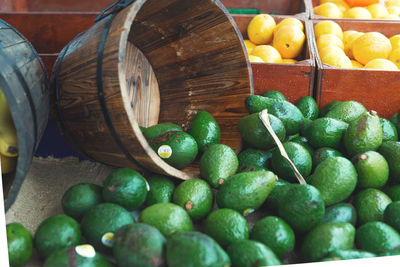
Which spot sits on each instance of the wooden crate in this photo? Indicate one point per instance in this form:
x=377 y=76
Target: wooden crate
x=293 y=80
x=50 y=24
x=375 y=89
x=278 y=7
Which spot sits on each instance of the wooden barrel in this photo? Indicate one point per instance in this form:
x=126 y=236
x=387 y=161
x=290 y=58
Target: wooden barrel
x=24 y=82
x=153 y=61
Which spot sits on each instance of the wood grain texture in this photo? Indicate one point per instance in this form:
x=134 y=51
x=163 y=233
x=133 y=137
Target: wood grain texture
x=282 y=7
x=23 y=79
x=376 y=89
x=294 y=81
x=198 y=58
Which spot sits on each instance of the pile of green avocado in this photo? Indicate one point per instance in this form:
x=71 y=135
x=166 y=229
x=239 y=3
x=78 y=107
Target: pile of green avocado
x=349 y=208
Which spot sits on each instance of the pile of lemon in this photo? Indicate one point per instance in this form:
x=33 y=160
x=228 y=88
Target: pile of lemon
x=342 y=9
x=353 y=49
x=272 y=43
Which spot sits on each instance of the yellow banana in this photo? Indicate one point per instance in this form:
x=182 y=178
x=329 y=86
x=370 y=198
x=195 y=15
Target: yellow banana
x=8 y=165
x=8 y=133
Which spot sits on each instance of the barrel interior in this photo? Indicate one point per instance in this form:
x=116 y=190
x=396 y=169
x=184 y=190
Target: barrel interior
x=199 y=63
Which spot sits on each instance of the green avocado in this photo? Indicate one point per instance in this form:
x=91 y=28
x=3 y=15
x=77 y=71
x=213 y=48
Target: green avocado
x=275 y=233
x=372 y=169
x=335 y=178
x=249 y=253
x=346 y=111
x=304 y=142
x=288 y=113
x=125 y=187
x=19 y=243
x=195 y=196
x=194 y=249
x=78 y=256
x=325 y=132
x=180 y=148
x=370 y=205
x=205 y=130
x=218 y=163
x=55 y=233
x=300 y=157
x=308 y=107
x=392 y=215
x=377 y=237
x=328 y=107
x=252 y=169
x=326 y=238
x=246 y=191
x=389 y=130
x=139 y=245
x=159 y=129
x=254 y=157
x=226 y=226
x=80 y=198
x=302 y=207
x=324 y=153
x=254 y=132
x=276 y=195
x=168 y=218
x=349 y=254
x=341 y=212
x=161 y=189
x=391 y=151
x=394 y=192
x=275 y=95
x=364 y=134
x=100 y=222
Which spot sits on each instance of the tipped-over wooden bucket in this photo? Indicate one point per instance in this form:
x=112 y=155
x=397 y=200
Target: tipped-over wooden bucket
x=153 y=61
x=24 y=82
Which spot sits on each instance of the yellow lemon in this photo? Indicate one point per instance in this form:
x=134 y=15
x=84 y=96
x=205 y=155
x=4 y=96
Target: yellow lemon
x=289 y=41
x=337 y=60
x=342 y=5
x=289 y=22
x=395 y=41
x=370 y=46
x=249 y=46
x=289 y=61
x=326 y=27
x=261 y=29
x=254 y=59
x=390 y=17
x=394 y=10
x=377 y=11
x=357 y=13
x=329 y=39
x=267 y=53
x=390 y=3
x=356 y=64
x=395 y=57
x=328 y=10
x=348 y=38
x=8 y=165
x=381 y=64
x=329 y=49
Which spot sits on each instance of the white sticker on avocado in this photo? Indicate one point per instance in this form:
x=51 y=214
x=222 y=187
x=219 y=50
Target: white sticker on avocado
x=107 y=239
x=164 y=151
x=248 y=211
x=86 y=251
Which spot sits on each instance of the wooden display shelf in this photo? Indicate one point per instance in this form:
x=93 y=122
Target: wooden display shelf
x=376 y=89
x=293 y=80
